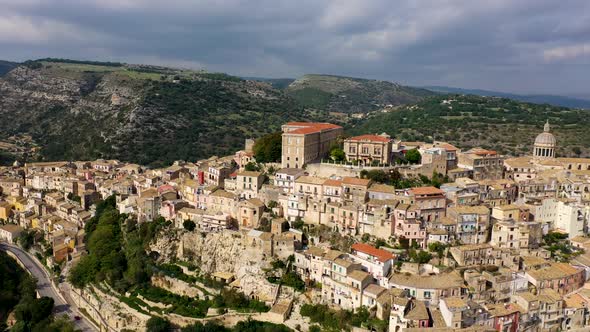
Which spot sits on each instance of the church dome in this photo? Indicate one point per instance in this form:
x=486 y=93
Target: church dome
x=545 y=139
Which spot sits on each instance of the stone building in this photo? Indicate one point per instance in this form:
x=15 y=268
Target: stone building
x=368 y=149
x=485 y=164
x=304 y=142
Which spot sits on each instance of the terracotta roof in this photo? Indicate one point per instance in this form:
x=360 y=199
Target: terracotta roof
x=380 y=254
x=370 y=138
x=356 y=181
x=426 y=191
x=447 y=146
x=575 y=301
x=482 y=152
x=333 y=183
x=311 y=127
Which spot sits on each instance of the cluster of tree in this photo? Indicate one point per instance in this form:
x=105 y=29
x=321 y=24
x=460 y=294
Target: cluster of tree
x=341 y=320
x=18 y=295
x=413 y=156
x=116 y=249
x=559 y=247
x=337 y=154
x=267 y=149
x=201 y=115
x=27 y=239
x=419 y=256
x=252 y=167
x=494 y=123
x=394 y=178
x=198 y=308
x=189 y=225
x=438 y=248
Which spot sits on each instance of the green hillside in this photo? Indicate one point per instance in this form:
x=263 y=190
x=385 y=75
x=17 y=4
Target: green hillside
x=145 y=114
x=351 y=95
x=6 y=66
x=505 y=125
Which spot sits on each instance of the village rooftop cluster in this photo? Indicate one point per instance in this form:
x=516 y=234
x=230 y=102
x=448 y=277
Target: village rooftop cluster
x=479 y=258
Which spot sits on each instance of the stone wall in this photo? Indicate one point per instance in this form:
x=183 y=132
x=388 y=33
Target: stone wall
x=106 y=310
x=177 y=286
x=226 y=251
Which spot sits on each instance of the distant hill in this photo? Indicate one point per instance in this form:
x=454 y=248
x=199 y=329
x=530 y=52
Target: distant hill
x=277 y=83
x=56 y=109
x=351 y=95
x=6 y=66
x=506 y=125
x=564 y=101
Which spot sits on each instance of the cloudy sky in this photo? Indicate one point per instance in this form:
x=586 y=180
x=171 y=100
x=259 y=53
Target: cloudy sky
x=523 y=46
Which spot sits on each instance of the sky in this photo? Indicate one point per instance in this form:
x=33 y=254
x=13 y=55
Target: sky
x=519 y=46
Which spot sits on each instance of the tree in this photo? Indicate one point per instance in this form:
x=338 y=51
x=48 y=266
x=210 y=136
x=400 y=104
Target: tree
x=252 y=167
x=438 y=248
x=189 y=225
x=158 y=324
x=420 y=257
x=337 y=154
x=297 y=223
x=267 y=149
x=413 y=156
x=264 y=225
x=577 y=150
x=26 y=239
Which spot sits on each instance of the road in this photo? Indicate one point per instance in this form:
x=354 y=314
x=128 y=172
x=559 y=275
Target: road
x=46 y=288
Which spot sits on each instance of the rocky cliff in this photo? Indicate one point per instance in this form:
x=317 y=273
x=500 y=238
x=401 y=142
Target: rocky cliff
x=226 y=251
x=145 y=115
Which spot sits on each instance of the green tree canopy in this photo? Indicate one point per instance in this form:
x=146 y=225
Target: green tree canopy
x=337 y=154
x=267 y=149
x=189 y=225
x=413 y=156
x=158 y=324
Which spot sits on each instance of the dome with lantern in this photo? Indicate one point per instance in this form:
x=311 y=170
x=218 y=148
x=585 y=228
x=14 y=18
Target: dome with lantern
x=545 y=143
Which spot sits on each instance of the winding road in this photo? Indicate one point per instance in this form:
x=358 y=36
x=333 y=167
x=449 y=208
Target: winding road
x=46 y=288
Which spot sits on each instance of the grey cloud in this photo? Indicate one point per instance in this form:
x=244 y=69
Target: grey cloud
x=520 y=46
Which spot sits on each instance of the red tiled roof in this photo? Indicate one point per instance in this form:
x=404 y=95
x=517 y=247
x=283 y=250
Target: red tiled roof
x=482 y=152
x=371 y=138
x=380 y=254
x=356 y=181
x=165 y=188
x=426 y=191
x=333 y=183
x=310 y=127
x=448 y=147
